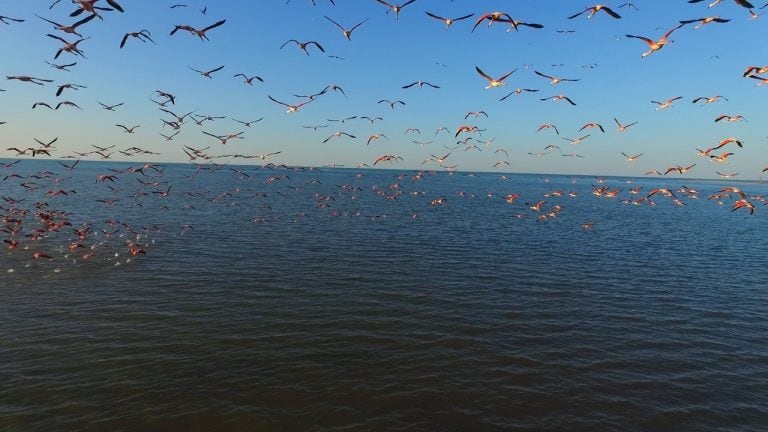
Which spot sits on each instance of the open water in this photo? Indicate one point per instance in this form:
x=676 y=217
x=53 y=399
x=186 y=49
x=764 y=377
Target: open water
x=343 y=300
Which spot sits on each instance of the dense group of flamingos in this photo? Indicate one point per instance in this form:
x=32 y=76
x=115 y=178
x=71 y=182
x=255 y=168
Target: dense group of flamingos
x=38 y=222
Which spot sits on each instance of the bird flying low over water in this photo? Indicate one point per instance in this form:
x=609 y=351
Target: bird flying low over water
x=680 y=169
x=225 y=138
x=632 y=158
x=726 y=141
x=721 y=158
x=726 y=175
x=743 y=203
x=47 y=145
x=387 y=158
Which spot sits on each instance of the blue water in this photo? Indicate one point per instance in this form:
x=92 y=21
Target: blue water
x=337 y=301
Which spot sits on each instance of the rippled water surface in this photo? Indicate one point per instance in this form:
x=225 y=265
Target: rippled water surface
x=333 y=300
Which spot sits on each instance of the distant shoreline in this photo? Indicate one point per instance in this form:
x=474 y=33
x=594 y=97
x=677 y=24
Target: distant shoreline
x=341 y=167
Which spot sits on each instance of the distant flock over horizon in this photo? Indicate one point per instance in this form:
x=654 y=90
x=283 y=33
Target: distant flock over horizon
x=25 y=225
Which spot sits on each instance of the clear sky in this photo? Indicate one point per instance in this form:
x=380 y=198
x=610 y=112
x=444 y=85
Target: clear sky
x=385 y=54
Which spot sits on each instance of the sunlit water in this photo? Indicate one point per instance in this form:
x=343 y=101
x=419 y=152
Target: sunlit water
x=324 y=305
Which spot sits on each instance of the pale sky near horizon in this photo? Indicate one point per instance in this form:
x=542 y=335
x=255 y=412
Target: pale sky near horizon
x=385 y=54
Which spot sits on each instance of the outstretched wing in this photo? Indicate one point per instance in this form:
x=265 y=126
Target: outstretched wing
x=503 y=77
x=483 y=74
x=277 y=101
x=610 y=12
x=212 y=26
x=114 y=4
x=577 y=14
x=337 y=24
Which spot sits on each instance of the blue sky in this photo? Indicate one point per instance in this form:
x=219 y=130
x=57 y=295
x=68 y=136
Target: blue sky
x=385 y=54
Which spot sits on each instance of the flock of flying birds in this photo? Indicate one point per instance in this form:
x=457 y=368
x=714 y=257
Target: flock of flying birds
x=30 y=219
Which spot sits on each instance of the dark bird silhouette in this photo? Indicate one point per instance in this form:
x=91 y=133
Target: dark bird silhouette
x=142 y=35
x=303 y=45
x=347 y=33
x=743 y=3
x=70 y=28
x=248 y=80
x=202 y=34
x=449 y=21
x=207 y=74
x=592 y=10
x=395 y=7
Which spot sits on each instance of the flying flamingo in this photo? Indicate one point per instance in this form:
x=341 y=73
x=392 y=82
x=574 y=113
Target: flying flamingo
x=655 y=45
